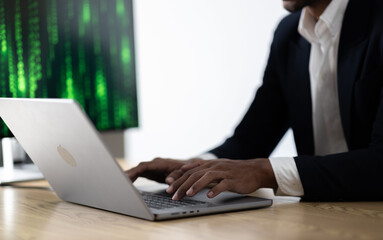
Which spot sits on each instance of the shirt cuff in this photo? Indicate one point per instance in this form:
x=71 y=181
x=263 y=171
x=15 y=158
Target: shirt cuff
x=287 y=176
x=207 y=156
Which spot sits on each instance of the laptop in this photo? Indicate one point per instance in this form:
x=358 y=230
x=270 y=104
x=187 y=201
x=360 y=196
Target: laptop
x=64 y=144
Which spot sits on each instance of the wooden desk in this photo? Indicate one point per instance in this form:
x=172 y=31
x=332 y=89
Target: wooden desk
x=33 y=211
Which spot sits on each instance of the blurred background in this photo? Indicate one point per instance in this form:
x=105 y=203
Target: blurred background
x=199 y=64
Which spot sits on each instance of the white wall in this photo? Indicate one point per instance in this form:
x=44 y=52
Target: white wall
x=199 y=63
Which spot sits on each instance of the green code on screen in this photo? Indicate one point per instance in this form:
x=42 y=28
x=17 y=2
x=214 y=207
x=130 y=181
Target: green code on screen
x=78 y=49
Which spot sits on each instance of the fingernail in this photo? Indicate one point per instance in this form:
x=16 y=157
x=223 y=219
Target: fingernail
x=210 y=194
x=175 y=197
x=169 y=180
x=170 y=189
x=189 y=192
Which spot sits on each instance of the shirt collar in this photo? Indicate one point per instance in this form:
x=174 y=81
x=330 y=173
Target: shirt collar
x=331 y=20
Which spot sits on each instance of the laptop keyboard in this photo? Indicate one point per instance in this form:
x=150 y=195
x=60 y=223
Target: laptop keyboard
x=164 y=200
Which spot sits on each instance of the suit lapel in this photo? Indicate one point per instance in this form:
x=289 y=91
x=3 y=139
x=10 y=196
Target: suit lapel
x=299 y=53
x=352 y=48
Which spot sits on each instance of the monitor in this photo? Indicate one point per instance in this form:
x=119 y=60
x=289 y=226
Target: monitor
x=79 y=49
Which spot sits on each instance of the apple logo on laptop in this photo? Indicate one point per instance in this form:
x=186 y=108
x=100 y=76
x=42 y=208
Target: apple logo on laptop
x=68 y=158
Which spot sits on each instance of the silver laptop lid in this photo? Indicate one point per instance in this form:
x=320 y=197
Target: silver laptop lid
x=63 y=143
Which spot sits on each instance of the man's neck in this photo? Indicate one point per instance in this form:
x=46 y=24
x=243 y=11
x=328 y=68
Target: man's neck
x=318 y=7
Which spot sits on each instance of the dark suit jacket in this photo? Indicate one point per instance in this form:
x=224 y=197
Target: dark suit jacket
x=284 y=101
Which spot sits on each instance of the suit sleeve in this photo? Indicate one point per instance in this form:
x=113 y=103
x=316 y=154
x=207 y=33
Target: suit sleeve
x=265 y=122
x=354 y=175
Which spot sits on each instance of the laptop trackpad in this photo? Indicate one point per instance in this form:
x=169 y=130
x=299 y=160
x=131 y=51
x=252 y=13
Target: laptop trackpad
x=225 y=198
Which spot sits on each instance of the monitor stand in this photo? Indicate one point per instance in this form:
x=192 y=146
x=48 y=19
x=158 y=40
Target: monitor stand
x=16 y=166
x=114 y=141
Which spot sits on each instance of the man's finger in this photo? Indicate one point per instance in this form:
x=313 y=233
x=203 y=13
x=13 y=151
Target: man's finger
x=176 y=174
x=181 y=190
x=135 y=172
x=132 y=177
x=224 y=185
x=178 y=182
x=205 y=181
x=190 y=166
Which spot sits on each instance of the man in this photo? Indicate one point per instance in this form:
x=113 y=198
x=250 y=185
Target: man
x=324 y=79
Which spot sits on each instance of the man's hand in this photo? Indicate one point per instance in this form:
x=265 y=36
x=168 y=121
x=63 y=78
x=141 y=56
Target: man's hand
x=161 y=169
x=240 y=176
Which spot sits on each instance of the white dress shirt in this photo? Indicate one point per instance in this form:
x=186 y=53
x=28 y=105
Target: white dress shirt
x=324 y=36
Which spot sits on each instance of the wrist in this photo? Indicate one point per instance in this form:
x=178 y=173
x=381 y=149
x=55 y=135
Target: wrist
x=268 y=179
